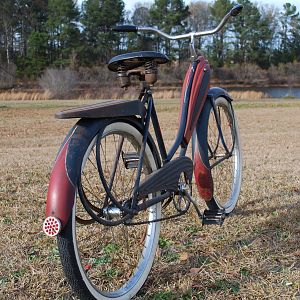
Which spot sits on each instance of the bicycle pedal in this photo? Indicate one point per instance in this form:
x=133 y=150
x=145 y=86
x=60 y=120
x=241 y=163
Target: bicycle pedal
x=130 y=159
x=213 y=217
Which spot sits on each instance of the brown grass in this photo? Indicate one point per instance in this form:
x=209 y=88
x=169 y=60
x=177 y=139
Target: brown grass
x=131 y=93
x=255 y=255
x=12 y=96
x=117 y=93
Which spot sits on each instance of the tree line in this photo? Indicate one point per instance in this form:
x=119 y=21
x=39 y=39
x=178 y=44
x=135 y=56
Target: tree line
x=36 y=34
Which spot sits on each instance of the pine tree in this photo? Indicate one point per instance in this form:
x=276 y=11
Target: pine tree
x=97 y=18
x=248 y=29
x=171 y=17
x=62 y=26
x=289 y=33
x=219 y=47
x=32 y=55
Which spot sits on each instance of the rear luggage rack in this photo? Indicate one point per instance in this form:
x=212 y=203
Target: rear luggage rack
x=112 y=108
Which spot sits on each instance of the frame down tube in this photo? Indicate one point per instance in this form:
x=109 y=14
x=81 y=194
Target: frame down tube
x=186 y=91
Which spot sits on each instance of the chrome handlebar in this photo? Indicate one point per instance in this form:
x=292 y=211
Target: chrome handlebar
x=132 y=28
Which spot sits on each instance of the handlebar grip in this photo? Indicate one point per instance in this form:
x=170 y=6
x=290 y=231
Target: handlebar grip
x=125 y=28
x=236 y=10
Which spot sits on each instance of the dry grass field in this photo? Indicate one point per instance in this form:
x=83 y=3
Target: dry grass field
x=254 y=255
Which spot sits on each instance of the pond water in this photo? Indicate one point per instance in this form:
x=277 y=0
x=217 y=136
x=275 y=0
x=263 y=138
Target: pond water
x=273 y=92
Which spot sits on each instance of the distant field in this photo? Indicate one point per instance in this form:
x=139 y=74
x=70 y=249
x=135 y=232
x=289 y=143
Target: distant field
x=255 y=255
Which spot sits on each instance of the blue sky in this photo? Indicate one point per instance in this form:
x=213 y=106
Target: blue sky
x=129 y=4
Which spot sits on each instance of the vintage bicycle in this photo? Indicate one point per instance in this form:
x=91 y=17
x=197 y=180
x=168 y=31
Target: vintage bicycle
x=113 y=183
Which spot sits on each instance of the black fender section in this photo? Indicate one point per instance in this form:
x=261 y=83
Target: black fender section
x=201 y=128
x=216 y=92
x=85 y=131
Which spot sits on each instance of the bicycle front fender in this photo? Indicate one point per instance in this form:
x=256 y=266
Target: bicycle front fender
x=202 y=172
x=217 y=92
x=65 y=174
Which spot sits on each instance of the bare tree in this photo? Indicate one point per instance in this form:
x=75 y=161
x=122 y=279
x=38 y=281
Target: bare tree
x=7 y=28
x=141 y=14
x=199 y=18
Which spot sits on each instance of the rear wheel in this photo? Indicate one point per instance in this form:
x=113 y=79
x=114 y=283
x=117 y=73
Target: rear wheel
x=222 y=156
x=109 y=262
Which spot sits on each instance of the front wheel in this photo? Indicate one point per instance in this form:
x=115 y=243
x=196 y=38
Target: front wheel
x=222 y=153
x=110 y=262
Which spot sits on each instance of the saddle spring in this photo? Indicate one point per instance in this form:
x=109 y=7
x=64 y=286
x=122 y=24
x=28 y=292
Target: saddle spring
x=122 y=76
x=151 y=72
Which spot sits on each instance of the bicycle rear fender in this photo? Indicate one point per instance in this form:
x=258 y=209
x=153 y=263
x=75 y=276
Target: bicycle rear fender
x=202 y=170
x=64 y=175
x=67 y=167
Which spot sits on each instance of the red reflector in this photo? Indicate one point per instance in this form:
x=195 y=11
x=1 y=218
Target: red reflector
x=51 y=226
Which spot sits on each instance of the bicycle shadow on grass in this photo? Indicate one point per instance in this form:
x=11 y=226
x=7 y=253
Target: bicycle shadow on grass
x=273 y=243
x=249 y=208
x=264 y=256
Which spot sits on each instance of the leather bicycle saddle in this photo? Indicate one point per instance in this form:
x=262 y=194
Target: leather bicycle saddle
x=129 y=61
